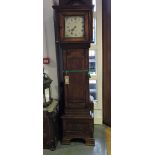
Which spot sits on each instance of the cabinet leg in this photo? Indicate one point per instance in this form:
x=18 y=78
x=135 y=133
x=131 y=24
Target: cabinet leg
x=53 y=145
x=52 y=148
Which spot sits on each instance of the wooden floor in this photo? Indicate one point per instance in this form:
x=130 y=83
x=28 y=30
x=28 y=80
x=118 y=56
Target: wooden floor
x=108 y=140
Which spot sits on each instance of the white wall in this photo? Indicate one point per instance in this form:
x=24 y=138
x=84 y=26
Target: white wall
x=49 y=45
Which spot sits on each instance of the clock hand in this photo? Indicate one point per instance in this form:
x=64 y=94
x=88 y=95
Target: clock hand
x=73 y=28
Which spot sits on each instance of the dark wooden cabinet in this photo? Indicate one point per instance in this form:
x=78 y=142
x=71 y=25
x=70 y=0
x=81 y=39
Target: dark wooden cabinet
x=50 y=127
x=73 y=35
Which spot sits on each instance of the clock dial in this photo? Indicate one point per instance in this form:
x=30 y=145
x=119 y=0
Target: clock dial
x=74 y=26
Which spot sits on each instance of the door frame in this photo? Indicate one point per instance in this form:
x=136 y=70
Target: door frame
x=106 y=45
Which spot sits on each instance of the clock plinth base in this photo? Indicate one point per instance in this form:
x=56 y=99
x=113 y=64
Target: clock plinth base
x=78 y=127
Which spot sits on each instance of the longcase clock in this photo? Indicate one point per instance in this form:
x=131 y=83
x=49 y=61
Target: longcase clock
x=73 y=35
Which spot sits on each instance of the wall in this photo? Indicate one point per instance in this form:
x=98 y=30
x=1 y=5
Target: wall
x=49 y=45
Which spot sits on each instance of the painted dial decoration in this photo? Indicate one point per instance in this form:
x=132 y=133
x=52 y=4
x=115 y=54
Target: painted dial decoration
x=74 y=26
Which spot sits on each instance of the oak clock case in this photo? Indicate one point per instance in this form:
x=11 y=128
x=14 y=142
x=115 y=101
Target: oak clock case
x=73 y=35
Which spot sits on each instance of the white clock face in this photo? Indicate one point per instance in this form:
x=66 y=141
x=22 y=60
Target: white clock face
x=74 y=26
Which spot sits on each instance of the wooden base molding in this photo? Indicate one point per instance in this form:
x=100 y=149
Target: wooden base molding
x=88 y=141
x=78 y=127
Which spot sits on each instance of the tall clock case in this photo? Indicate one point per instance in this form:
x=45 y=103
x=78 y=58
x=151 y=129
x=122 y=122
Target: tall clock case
x=73 y=27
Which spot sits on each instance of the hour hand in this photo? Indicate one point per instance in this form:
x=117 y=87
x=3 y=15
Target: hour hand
x=73 y=28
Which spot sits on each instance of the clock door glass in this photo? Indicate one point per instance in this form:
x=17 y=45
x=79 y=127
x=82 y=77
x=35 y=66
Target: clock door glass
x=74 y=26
